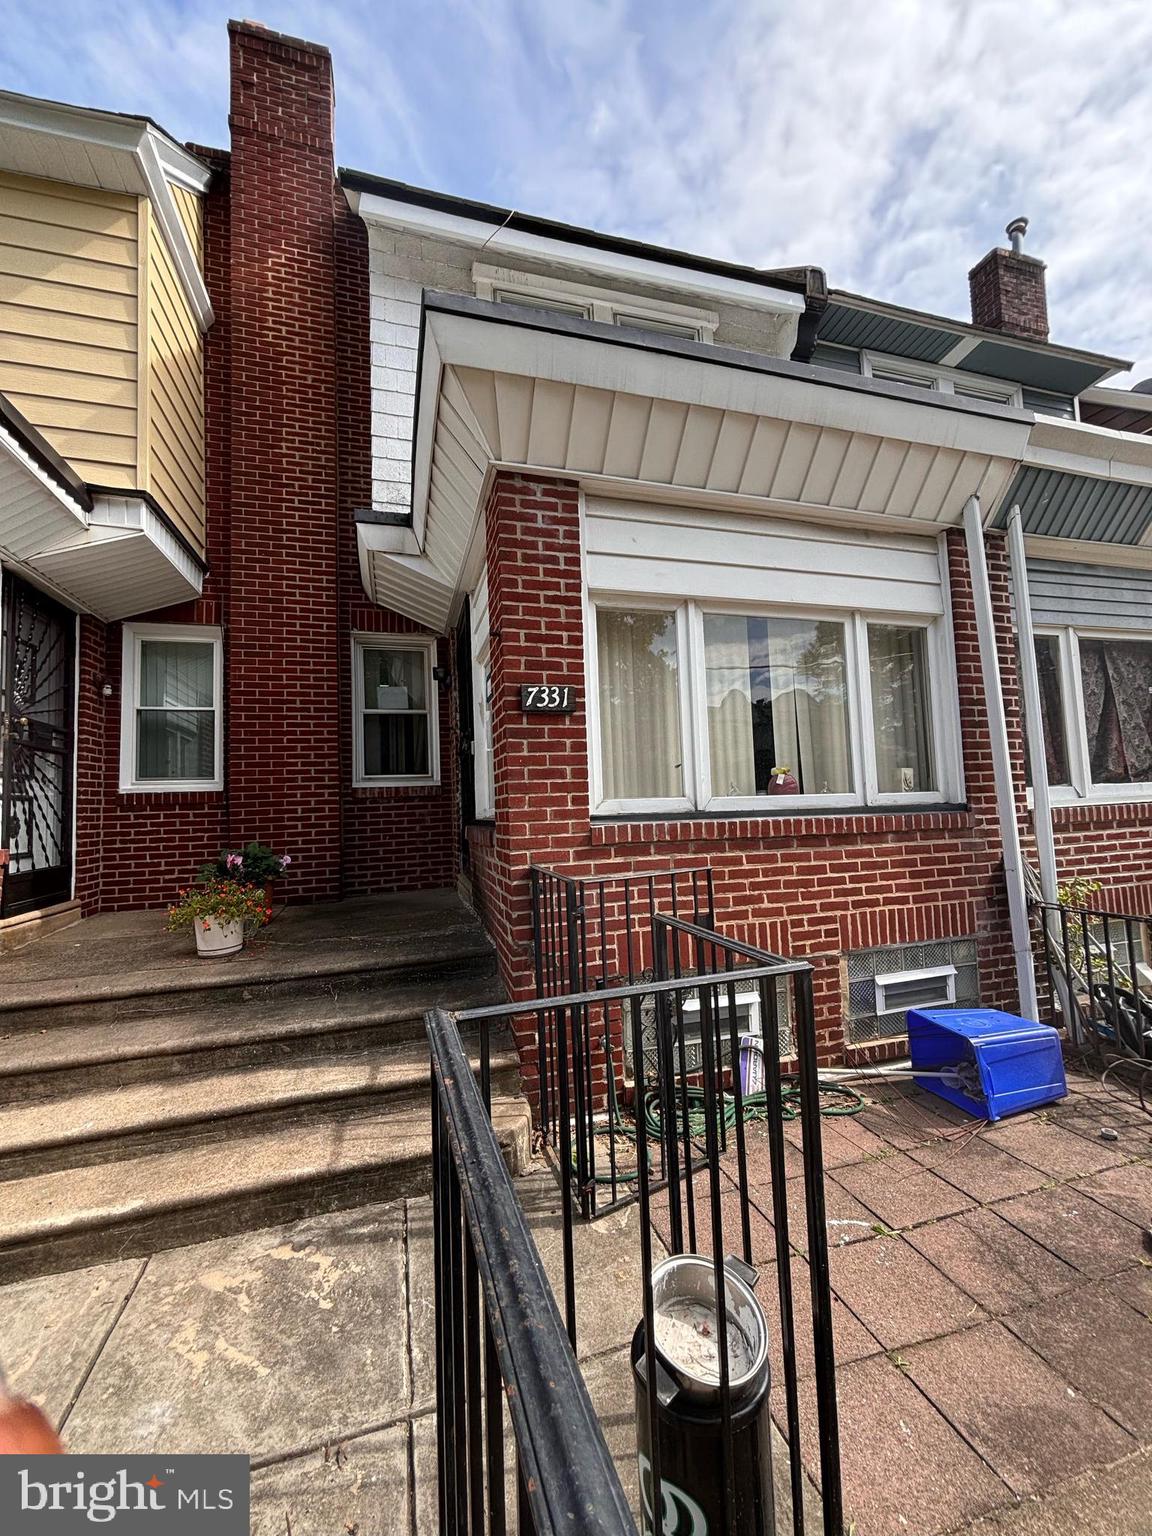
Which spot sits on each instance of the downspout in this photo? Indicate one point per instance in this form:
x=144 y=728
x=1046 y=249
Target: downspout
x=1033 y=719
x=1001 y=760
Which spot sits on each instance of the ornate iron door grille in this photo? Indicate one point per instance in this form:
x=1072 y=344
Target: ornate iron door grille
x=37 y=679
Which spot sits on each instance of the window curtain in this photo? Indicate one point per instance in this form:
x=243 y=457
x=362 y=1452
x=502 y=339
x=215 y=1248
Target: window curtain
x=900 y=715
x=642 y=757
x=809 y=707
x=1116 y=676
x=729 y=666
x=776 y=699
x=176 y=720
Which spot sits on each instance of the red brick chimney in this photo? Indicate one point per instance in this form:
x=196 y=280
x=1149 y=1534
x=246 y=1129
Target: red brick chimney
x=1007 y=290
x=284 y=766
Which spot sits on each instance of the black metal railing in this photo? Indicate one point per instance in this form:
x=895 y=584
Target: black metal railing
x=1098 y=966
x=503 y=1359
x=655 y=1089
x=597 y=930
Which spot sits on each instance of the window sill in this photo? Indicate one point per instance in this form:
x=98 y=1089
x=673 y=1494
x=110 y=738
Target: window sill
x=180 y=787
x=1073 y=813
x=697 y=826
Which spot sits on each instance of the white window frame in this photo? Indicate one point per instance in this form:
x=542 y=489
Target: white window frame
x=698 y=794
x=946 y=973
x=943 y=380
x=673 y=805
x=133 y=637
x=484 y=755
x=1082 y=789
x=606 y=305
x=426 y=646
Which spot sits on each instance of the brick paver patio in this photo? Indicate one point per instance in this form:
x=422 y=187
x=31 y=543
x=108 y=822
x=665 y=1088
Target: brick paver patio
x=993 y=1312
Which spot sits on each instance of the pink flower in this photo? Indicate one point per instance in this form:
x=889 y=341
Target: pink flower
x=285 y=861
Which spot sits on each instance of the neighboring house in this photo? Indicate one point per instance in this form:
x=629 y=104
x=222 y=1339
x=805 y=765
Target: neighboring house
x=723 y=516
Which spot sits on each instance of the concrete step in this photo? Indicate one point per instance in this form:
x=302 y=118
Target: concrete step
x=57 y=1059
x=114 y=1124
x=126 y=967
x=79 y=1216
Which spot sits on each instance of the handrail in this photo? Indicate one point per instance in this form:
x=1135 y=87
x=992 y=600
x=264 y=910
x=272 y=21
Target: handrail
x=632 y=989
x=568 y=1477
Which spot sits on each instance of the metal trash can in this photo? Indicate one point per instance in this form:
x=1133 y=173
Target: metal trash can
x=693 y=1456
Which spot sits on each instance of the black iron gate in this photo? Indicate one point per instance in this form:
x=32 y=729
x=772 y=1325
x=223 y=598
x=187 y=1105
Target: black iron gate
x=37 y=682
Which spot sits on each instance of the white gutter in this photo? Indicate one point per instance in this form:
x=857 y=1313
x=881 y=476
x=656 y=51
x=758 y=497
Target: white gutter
x=1001 y=760
x=1033 y=719
x=494 y=238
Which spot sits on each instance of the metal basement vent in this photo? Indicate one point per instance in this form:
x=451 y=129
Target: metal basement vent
x=748 y=1022
x=884 y=983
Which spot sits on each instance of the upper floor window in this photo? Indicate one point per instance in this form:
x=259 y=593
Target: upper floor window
x=945 y=381
x=171 y=719
x=510 y=286
x=703 y=705
x=1096 y=709
x=395 y=724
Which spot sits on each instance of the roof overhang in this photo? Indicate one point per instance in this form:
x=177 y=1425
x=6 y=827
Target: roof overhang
x=1127 y=410
x=636 y=414
x=107 y=554
x=504 y=231
x=850 y=320
x=86 y=148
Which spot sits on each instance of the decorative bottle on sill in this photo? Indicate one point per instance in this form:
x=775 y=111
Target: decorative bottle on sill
x=783 y=782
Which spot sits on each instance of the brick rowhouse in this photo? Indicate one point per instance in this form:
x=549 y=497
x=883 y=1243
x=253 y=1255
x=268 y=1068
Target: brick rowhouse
x=808 y=886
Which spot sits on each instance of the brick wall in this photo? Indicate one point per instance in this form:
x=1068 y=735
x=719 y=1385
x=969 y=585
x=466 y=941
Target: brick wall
x=813 y=886
x=392 y=839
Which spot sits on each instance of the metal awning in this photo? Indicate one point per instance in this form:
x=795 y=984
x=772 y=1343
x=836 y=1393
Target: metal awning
x=102 y=553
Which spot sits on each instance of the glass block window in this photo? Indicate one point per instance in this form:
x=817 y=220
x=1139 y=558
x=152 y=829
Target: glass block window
x=953 y=961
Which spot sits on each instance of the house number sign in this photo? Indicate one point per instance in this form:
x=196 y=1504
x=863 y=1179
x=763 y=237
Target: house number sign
x=547 y=698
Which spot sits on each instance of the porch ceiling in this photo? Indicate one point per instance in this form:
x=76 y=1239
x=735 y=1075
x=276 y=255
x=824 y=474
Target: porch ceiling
x=634 y=413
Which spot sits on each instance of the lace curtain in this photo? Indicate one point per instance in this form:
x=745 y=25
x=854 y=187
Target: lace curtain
x=1116 y=676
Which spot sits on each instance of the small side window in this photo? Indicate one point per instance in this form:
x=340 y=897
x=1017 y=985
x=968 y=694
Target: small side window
x=396 y=736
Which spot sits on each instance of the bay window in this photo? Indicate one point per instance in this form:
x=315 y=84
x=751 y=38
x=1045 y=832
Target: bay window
x=394 y=711
x=1096 y=712
x=171 y=718
x=699 y=705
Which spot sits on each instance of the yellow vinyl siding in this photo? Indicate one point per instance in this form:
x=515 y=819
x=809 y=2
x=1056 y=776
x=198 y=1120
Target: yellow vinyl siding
x=191 y=211
x=69 y=325
x=173 y=396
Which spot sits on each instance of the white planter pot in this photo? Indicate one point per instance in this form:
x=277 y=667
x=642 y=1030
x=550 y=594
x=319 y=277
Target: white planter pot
x=214 y=937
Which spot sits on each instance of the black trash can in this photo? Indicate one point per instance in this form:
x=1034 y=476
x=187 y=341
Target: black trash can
x=693 y=1453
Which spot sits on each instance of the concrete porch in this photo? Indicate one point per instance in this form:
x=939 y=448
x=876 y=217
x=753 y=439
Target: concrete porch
x=151 y=1099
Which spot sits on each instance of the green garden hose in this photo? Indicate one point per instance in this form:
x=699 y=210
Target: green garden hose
x=835 y=1099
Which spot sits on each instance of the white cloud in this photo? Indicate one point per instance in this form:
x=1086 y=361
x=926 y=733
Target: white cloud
x=888 y=141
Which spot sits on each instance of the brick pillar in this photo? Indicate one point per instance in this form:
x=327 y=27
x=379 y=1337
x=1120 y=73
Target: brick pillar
x=536 y=615
x=283 y=762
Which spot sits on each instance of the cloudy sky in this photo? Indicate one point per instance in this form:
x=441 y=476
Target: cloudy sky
x=888 y=141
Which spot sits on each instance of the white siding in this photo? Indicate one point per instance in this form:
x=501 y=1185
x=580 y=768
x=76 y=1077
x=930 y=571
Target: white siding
x=1092 y=596
x=683 y=552
x=395 y=337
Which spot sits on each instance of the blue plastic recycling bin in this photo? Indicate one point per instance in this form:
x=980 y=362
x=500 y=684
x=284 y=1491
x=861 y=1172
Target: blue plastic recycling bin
x=1004 y=1063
